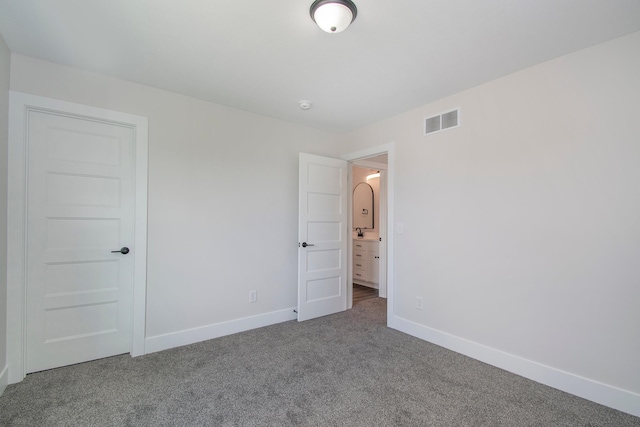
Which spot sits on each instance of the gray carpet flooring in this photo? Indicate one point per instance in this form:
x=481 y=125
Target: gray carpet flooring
x=346 y=369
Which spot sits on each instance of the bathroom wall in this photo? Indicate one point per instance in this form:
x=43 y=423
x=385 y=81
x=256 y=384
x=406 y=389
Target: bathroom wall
x=360 y=175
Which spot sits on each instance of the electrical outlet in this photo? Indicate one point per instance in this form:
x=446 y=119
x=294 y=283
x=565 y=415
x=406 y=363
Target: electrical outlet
x=419 y=303
x=253 y=296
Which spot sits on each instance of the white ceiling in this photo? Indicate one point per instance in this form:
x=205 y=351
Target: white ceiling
x=264 y=56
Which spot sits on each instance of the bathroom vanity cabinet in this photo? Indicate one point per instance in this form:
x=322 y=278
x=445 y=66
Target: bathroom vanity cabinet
x=366 y=262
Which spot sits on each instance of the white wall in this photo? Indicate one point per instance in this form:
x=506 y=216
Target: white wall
x=223 y=194
x=522 y=227
x=5 y=66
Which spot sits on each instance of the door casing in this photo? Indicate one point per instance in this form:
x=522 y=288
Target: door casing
x=19 y=106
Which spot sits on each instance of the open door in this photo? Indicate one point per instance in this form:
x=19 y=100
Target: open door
x=322 y=236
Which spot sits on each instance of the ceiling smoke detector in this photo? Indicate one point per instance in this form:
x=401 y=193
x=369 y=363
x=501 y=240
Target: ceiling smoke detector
x=304 y=104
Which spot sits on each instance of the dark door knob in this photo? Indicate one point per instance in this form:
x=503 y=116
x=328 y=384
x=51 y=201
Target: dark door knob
x=123 y=251
x=305 y=244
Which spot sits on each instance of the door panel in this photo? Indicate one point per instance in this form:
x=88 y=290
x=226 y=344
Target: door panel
x=80 y=202
x=322 y=223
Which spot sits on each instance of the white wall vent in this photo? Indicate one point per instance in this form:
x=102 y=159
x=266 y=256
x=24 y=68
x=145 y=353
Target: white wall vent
x=444 y=121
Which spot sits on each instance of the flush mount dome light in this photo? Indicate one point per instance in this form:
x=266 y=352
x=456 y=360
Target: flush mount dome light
x=333 y=16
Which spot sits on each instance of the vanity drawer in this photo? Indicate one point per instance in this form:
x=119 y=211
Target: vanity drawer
x=359 y=246
x=359 y=255
x=359 y=274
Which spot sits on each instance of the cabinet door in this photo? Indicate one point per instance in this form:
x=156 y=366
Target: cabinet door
x=373 y=262
x=373 y=269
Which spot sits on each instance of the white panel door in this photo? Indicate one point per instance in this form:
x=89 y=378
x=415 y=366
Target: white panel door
x=80 y=206
x=322 y=232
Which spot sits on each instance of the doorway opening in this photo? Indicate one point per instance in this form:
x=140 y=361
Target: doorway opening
x=369 y=210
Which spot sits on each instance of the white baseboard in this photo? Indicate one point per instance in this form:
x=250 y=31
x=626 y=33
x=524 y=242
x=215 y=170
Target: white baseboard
x=203 y=333
x=604 y=394
x=4 y=379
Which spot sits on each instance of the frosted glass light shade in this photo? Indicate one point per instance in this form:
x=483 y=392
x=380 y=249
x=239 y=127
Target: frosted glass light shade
x=333 y=16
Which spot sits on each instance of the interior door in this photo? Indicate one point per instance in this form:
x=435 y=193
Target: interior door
x=323 y=234
x=80 y=198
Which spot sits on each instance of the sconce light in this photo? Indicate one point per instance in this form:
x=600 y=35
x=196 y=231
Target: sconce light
x=333 y=16
x=373 y=175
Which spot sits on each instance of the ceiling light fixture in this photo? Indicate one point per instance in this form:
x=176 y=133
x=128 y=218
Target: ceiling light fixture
x=373 y=175
x=333 y=16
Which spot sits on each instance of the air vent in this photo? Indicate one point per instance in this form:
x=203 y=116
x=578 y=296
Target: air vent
x=450 y=119
x=444 y=121
x=432 y=124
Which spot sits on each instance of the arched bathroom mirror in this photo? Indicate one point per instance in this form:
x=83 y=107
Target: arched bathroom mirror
x=363 y=206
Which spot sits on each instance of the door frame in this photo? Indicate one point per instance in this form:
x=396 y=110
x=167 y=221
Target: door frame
x=20 y=104
x=388 y=149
